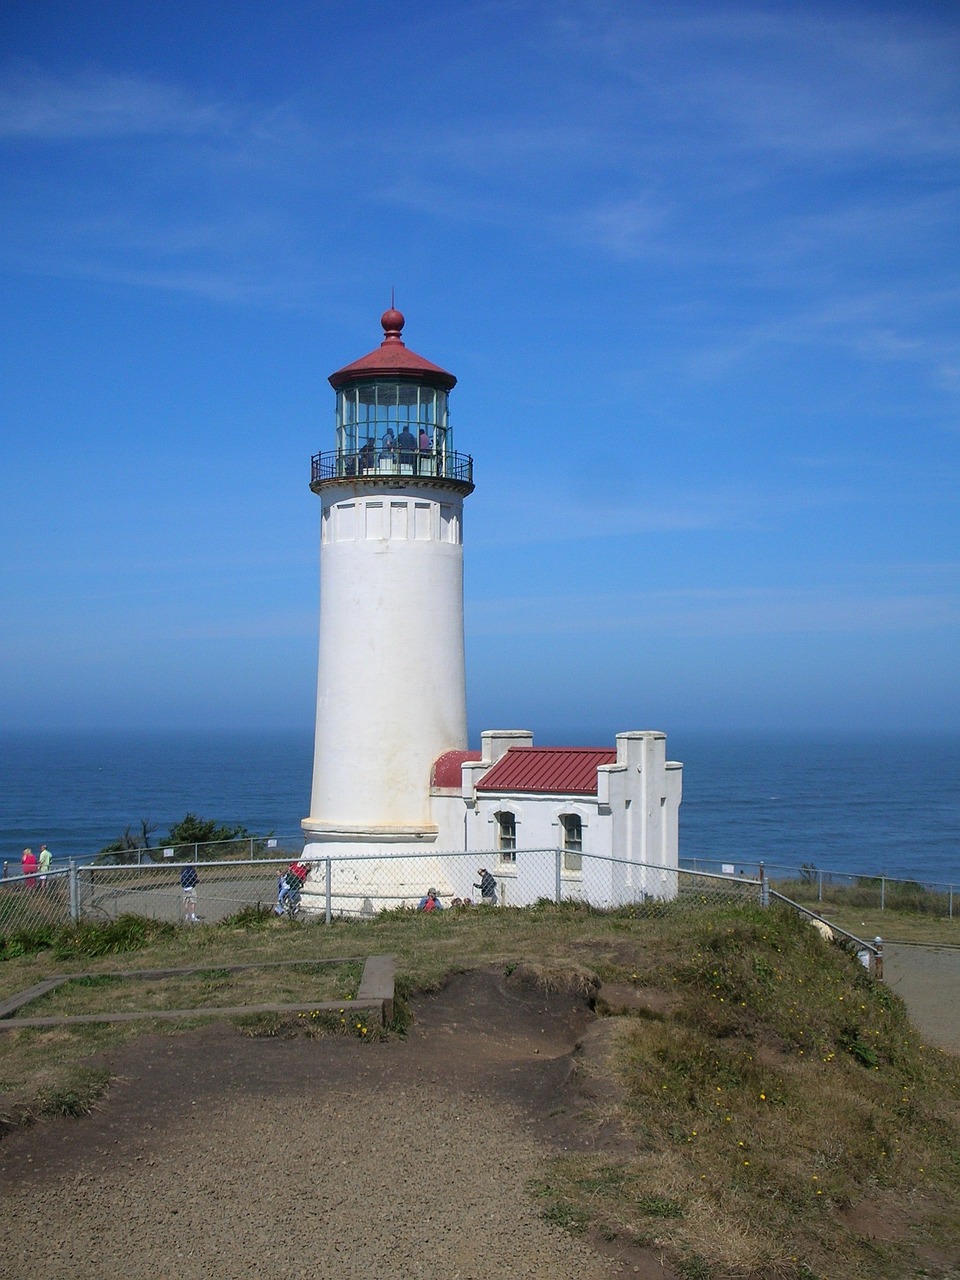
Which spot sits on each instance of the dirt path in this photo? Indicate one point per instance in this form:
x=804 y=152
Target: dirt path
x=928 y=979
x=218 y=1157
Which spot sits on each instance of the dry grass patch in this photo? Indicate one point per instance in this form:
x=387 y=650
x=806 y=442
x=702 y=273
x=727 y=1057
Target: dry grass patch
x=202 y=989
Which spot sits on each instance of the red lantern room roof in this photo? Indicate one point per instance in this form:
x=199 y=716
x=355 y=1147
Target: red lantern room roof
x=393 y=359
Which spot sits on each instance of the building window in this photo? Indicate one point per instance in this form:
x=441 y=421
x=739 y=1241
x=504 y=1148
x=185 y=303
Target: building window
x=571 y=829
x=506 y=836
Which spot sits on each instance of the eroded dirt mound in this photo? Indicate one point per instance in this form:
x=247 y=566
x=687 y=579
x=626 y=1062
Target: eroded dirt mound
x=216 y=1155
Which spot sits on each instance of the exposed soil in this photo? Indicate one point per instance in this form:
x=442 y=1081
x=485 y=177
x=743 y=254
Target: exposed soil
x=216 y=1156
x=928 y=979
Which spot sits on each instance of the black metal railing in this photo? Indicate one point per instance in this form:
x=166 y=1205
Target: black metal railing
x=340 y=464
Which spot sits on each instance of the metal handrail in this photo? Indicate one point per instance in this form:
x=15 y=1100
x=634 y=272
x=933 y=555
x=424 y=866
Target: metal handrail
x=343 y=464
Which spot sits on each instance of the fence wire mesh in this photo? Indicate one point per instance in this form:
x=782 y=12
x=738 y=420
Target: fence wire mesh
x=32 y=902
x=821 y=887
x=355 y=887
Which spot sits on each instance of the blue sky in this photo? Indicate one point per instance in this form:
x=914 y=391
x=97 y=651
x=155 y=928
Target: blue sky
x=695 y=266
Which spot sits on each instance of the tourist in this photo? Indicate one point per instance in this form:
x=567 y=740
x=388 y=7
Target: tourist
x=487 y=887
x=291 y=883
x=43 y=865
x=430 y=902
x=407 y=445
x=29 y=864
x=188 y=883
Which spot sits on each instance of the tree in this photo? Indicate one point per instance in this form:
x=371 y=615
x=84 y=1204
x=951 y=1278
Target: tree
x=193 y=830
x=128 y=848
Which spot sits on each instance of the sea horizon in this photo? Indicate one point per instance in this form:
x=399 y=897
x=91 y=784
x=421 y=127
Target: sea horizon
x=870 y=803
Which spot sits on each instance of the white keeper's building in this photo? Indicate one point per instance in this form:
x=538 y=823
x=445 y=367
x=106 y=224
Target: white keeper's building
x=392 y=771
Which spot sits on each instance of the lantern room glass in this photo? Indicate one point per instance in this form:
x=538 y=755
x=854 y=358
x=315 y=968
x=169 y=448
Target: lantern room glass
x=376 y=415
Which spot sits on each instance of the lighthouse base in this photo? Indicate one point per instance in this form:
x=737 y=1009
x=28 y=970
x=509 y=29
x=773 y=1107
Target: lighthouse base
x=362 y=884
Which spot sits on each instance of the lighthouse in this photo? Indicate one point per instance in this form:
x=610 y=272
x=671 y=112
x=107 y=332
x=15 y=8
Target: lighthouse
x=399 y=802
x=391 y=686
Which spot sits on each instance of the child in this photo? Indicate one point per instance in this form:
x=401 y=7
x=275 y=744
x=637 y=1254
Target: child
x=291 y=884
x=188 y=883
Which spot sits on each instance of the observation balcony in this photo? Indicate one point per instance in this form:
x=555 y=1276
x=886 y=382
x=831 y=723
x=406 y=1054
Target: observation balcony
x=399 y=465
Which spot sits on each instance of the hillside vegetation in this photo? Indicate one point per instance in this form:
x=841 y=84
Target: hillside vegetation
x=769 y=1108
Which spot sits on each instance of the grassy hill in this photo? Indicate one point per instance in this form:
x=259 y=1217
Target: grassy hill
x=775 y=1113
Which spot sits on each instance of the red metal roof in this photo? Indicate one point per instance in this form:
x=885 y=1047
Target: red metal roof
x=393 y=359
x=565 y=770
x=446 y=769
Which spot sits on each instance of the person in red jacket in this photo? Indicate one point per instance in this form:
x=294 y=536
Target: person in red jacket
x=29 y=864
x=292 y=882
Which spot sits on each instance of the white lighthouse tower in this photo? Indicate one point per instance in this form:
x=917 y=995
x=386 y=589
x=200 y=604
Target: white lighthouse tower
x=391 y=689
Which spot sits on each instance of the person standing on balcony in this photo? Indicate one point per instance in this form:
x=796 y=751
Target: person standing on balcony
x=407 y=445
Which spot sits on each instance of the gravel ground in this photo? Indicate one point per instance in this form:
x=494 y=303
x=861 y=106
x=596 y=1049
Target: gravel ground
x=928 y=979
x=217 y=1157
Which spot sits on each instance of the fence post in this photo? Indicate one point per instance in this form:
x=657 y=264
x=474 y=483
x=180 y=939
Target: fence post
x=74 y=895
x=559 y=880
x=819 y=886
x=329 y=890
x=883 y=892
x=950 y=907
x=764 y=889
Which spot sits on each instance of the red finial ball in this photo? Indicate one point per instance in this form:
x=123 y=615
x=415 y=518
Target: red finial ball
x=392 y=321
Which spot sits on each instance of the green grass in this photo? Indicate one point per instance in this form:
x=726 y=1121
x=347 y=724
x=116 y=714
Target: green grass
x=911 y=913
x=769 y=1092
x=205 y=988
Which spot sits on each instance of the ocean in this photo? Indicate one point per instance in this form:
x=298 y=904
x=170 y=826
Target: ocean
x=867 y=805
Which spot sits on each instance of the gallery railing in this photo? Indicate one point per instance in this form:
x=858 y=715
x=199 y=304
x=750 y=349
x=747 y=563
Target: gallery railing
x=340 y=464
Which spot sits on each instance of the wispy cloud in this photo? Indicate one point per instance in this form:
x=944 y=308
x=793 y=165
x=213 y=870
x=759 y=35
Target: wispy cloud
x=94 y=104
x=158 y=188
x=795 y=81
x=693 y=509
x=714 y=613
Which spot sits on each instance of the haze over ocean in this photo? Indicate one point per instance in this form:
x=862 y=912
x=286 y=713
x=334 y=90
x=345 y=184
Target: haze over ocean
x=865 y=804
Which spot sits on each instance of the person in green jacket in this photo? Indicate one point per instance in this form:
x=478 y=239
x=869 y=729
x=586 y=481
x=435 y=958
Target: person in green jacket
x=43 y=865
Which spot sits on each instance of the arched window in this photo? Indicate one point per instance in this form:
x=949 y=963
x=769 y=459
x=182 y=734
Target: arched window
x=506 y=835
x=571 y=834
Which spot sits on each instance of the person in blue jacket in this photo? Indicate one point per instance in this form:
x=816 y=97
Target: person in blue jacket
x=487 y=887
x=430 y=902
x=188 y=883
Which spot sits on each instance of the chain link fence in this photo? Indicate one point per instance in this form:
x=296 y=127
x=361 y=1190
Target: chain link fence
x=32 y=902
x=362 y=887
x=821 y=887
x=355 y=887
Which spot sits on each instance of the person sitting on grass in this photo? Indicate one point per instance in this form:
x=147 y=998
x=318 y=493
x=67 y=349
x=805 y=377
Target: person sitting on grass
x=430 y=902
